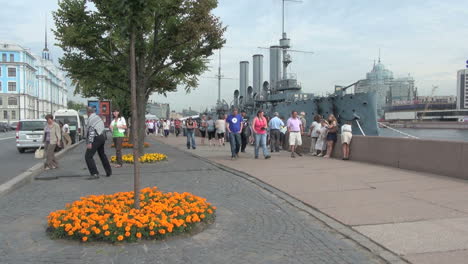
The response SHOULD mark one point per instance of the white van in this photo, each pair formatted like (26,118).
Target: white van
(75,122)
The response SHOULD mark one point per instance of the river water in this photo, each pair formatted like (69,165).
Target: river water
(436,134)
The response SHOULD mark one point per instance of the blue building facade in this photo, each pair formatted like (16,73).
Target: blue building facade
(30,86)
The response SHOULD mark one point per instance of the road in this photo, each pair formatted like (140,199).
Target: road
(13,163)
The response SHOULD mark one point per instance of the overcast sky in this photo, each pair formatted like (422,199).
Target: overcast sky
(425,38)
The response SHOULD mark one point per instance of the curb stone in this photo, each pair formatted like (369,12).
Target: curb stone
(348,232)
(28,175)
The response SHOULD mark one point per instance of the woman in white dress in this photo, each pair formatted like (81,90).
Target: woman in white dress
(346,136)
(321,144)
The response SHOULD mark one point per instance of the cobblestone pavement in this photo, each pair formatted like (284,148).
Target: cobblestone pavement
(252,225)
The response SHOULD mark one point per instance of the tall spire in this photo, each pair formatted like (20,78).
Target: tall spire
(379,55)
(46,34)
(45,51)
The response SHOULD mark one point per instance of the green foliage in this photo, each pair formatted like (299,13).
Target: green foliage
(75,105)
(174,38)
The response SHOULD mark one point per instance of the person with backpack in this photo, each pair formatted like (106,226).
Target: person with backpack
(211,130)
(202,129)
(245,134)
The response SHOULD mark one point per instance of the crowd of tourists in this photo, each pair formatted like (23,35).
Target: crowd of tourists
(163,127)
(268,133)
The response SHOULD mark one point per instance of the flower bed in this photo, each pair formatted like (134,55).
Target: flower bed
(130,145)
(147,158)
(112,217)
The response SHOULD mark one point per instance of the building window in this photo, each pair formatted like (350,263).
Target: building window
(11,72)
(13,115)
(12,101)
(1,98)
(12,57)
(5,114)
(12,86)
(4,57)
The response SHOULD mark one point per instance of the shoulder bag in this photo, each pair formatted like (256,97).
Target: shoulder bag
(39,154)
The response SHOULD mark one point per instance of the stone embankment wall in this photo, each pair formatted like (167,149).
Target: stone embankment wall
(448,158)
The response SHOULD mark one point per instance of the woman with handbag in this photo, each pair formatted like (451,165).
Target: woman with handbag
(51,137)
(332,134)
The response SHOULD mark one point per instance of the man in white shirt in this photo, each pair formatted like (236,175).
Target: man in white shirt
(295,130)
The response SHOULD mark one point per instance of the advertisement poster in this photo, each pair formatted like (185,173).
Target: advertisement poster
(104,110)
(95,105)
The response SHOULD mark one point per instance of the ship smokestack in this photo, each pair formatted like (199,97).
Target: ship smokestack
(257,73)
(275,66)
(244,79)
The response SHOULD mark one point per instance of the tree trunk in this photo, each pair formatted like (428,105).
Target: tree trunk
(135,114)
(141,119)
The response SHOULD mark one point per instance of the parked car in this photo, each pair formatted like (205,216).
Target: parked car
(13,125)
(4,127)
(29,134)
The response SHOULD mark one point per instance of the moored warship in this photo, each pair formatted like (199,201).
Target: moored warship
(283,93)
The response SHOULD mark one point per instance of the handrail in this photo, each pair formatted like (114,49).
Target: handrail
(396,130)
(360,128)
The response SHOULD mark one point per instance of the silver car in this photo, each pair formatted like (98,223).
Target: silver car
(29,134)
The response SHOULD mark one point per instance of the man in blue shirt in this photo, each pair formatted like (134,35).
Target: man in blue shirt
(275,125)
(234,127)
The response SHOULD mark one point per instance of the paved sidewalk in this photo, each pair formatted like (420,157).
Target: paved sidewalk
(422,217)
(252,225)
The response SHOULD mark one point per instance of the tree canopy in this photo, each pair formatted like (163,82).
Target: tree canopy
(174,38)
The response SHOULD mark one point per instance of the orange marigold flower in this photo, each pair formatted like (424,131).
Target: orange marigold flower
(70,233)
(151,233)
(107,233)
(138,235)
(85,238)
(120,238)
(162,231)
(127,234)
